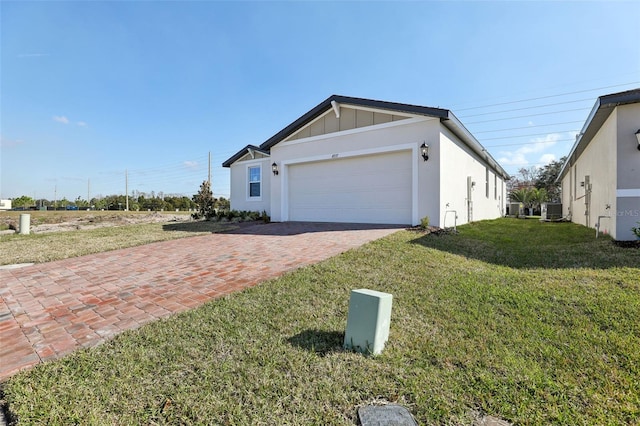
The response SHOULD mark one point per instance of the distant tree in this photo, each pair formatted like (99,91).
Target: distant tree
(547,177)
(23,201)
(181,203)
(532,198)
(204,201)
(222,204)
(98,203)
(525,178)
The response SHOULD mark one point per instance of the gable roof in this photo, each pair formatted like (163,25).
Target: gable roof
(244,151)
(601,110)
(444,115)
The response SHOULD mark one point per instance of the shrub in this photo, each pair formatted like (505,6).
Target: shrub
(424,222)
(636,230)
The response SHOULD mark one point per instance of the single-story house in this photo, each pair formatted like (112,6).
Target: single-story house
(357,160)
(601,177)
(5,204)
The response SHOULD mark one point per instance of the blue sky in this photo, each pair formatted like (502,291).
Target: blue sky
(91,89)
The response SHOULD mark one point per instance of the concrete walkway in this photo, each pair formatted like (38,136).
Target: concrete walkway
(51,309)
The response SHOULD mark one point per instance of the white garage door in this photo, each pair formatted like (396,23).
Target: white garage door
(364,189)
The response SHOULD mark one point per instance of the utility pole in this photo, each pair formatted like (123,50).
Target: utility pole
(209,179)
(126,188)
(88,191)
(55,197)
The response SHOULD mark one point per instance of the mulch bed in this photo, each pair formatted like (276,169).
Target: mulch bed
(628,244)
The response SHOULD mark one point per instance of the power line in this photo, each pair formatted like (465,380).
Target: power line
(531,107)
(528,127)
(550,96)
(524,136)
(530,115)
(529,143)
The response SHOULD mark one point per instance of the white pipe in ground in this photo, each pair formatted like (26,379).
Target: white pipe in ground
(25,224)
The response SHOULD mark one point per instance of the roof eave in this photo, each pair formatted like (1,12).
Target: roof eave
(325,105)
(455,125)
(238,155)
(601,110)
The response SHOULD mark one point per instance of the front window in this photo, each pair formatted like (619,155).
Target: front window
(255,176)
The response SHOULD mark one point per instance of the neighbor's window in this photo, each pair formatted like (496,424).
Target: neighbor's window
(486,180)
(255,175)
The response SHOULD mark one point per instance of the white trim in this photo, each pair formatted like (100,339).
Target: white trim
(383,111)
(632,192)
(248,182)
(356,130)
(284,184)
(336,108)
(250,162)
(309,124)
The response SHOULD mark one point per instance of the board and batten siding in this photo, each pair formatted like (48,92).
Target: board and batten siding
(349,119)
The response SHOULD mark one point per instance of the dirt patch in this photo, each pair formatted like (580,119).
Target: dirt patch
(82,221)
(628,244)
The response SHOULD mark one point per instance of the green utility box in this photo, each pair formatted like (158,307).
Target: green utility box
(368,321)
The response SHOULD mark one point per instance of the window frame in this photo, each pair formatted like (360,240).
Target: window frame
(486,179)
(249,182)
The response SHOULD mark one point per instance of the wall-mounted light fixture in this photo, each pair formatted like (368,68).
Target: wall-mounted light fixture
(424,151)
(638,137)
(274,169)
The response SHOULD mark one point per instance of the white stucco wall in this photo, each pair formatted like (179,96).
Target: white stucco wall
(386,137)
(437,185)
(239,198)
(458,163)
(598,162)
(627,208)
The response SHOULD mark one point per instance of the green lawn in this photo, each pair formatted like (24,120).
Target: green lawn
(47,247)
(535,323)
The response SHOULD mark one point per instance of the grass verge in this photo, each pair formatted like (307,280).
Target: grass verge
(37,248)
(534,323)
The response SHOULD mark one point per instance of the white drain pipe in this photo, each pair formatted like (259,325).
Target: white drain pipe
(25,224)
(455,219)
(598,224)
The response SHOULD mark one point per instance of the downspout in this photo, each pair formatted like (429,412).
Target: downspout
(455,220)
(602,217)
(598,224)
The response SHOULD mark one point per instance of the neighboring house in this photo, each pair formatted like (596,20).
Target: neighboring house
(365,161)
(601,177)
(5,204)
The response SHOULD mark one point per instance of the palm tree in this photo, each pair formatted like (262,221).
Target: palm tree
(541,195)
(530,197)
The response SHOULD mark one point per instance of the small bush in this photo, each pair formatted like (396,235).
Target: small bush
(424,222)
(265,217)
(636,230)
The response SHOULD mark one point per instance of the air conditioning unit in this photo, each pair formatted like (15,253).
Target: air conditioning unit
(551,211)
(516,209)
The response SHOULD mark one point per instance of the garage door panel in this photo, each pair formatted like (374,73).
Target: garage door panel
(369,189)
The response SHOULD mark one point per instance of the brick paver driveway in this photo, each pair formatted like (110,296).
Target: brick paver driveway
(50,309)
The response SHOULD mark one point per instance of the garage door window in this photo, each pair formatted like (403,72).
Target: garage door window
(255,177)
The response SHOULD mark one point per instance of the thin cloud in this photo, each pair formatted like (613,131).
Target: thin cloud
(82,124)
(536,145)
(547,158)
(33,55)
(10,143)
(190,164)
(61,119)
